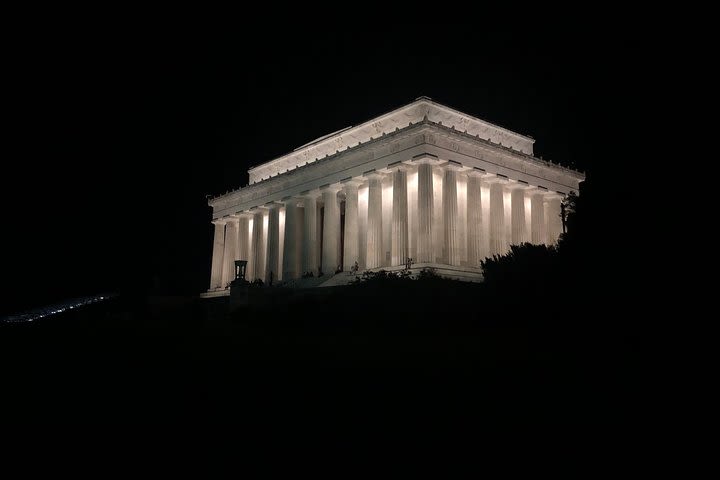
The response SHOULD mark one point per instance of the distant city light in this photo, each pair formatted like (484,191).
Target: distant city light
(43,312)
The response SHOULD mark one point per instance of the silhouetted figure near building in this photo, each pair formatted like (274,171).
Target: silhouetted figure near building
(271,278)
(355,268)
(408,263)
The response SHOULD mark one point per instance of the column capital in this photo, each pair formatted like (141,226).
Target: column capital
(481,173)
(219,221)
(244,214)
(291,200)
(477,172)
(453,165)
(351,182)
(371,174)
(312,194)
(540,190)
(256,210)
(330,188)
(517,184)
(421,158)
(271,205)
(534,189)
(496,178)
(397,166)
(552,195)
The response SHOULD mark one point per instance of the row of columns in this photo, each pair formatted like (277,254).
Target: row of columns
(249,237)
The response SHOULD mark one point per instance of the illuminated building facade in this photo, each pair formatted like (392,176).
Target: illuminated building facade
(424,181)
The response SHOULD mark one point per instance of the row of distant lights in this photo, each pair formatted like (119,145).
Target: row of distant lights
(54,310)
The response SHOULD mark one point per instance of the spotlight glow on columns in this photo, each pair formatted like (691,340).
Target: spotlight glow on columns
(462,217)
(412,192)
(528,218)
(387,200)
(413,180)
(507,206)
(281,241)
(435,228)
(363,224)
(363,196)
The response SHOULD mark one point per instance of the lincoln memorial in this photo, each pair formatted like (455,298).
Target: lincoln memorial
(424,182)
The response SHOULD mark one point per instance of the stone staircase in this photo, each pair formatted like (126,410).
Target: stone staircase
(305,282)
(345,278)
(339,279)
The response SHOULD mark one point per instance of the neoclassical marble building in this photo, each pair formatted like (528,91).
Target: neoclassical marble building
(424,181)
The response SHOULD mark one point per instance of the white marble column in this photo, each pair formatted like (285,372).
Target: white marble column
(351,252)
(399,245)
(231,231)
(497,219)
(310,263)
(552,216)
(450,214)
(273,244)
(374,229)
(243,239)
(331,230)
(537,219)
(387,203)
(517,197)
(291,243)
(256,248)
(507,205)
(425,212)
(528,214)
(474,219)
(217,255)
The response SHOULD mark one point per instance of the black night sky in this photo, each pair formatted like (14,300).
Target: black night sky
(121,124)
(121,133)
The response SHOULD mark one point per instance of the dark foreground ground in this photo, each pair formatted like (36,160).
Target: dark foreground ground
(390,363)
